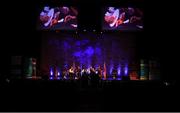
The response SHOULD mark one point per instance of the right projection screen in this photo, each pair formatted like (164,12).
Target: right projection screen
(122,18)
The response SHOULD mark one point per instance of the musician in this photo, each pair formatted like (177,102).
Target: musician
(78,72)
(99,71)
(65,73)
(94,76)
(92,71)
(114,73)
(71,72)
(83,71)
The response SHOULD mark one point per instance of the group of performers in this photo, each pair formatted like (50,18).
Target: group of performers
(82,73)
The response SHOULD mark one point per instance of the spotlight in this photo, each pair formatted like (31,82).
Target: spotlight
(84,30)
(126,70)
(101,32)
(51,78)
(94,30)
(51,72)
(76,32)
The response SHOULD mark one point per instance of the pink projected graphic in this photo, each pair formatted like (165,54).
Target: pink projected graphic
(55,18)
(122,18)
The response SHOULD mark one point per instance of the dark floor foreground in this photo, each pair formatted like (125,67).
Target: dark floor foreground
(39,95)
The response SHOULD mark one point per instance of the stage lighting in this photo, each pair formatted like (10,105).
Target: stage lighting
(126,71)
(51,78)
(119,71)
(58,74)
(51,72)
(84,30)
(96,72)
(94,30)
(118,79)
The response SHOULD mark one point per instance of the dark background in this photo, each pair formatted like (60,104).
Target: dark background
(159,39)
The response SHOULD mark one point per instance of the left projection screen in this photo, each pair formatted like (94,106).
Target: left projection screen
(57,18)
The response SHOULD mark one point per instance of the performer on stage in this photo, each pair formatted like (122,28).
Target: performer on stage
(65,73)
(92,70)
(114,73)
(99,70)
(78,72)
(83,71)
(71,72)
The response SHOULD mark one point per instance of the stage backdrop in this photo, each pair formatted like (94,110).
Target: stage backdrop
(87,49)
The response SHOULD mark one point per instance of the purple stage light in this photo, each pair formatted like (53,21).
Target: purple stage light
(51,71)
(89,51)
(119,71)
(110,79)
(118,79)
(58,73)
(111,68)
(96,72)
(51,78)
(103,79)
(126,70)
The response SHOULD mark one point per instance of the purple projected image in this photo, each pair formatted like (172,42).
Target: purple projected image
(121,18)
(56,18)
(106,54)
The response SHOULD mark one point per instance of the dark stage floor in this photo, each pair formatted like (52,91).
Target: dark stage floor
(43,95)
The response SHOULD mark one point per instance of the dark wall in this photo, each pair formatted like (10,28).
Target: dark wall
(21,38)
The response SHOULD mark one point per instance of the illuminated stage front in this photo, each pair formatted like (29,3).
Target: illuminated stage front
(110,52)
